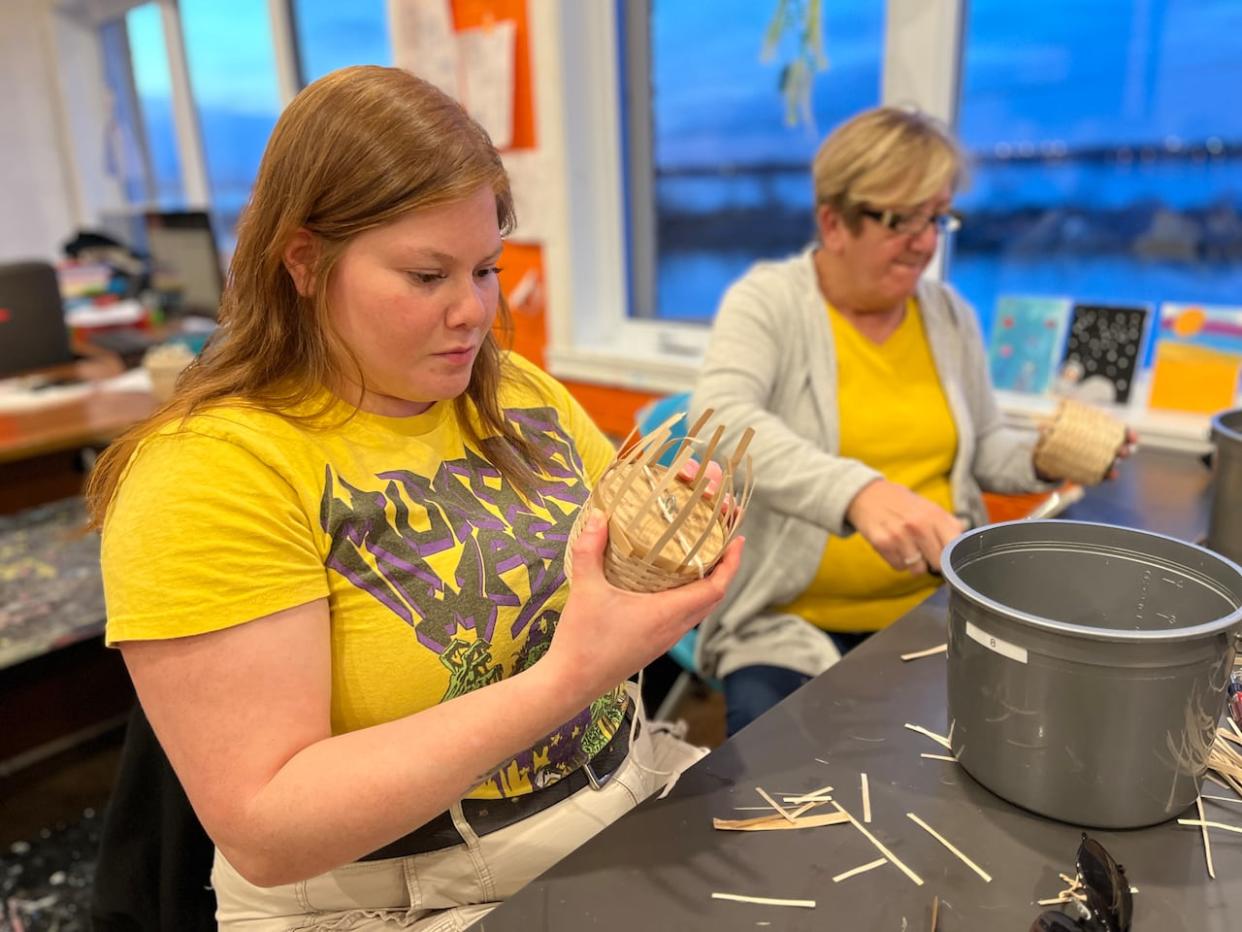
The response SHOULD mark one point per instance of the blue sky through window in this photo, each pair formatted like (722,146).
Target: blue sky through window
(1107,150)
(334,35)
(149,58)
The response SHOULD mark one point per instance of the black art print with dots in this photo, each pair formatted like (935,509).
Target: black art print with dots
(1105,343)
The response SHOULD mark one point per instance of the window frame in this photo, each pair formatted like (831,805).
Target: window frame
(592,336)
(571,188)
(194,179)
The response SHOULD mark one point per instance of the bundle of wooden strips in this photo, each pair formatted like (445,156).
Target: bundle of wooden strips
(1071,893)
(664,529)
(1226,757)
(1079,443)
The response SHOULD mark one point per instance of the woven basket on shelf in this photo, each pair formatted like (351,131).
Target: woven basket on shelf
(1080,443)
(665,530)
(164,364)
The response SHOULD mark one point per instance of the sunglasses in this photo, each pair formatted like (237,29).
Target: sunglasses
(1100,894)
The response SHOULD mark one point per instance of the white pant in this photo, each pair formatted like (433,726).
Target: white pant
(451,888)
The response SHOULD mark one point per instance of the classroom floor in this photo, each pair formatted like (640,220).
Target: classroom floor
(51,813)
(50,817)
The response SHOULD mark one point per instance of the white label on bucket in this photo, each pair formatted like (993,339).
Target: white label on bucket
(1012,651)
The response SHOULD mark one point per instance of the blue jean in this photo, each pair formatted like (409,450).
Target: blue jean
(751,691)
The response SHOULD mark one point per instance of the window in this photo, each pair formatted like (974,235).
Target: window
(148,56)
(126,156)
(1108,154)
(233,76)
(333,35)
(719,170)
(223,98)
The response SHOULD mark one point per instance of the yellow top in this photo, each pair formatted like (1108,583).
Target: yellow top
(894,417)
(440,578)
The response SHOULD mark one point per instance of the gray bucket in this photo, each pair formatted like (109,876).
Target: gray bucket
(1225,524)
(1088,666)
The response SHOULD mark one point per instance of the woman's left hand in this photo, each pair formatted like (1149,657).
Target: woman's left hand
(690,472)
(715,475)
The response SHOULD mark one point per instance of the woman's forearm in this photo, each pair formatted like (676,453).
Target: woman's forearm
(350,794)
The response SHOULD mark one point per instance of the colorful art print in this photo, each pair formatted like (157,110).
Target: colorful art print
(1027,333)
(1104,346)
(1198,358)
(1208,326)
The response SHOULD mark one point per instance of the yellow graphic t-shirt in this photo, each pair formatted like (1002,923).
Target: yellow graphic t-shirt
(440,577)
(894,417)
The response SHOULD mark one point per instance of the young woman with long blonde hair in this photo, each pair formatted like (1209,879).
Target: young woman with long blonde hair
(334,562)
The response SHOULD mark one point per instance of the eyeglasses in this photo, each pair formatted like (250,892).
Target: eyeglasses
(1100,893)
(914,223)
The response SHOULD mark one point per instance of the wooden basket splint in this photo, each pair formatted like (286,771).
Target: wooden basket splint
(1080,443)
(665,530)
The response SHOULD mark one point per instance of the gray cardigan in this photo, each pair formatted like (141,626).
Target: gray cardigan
(771,364)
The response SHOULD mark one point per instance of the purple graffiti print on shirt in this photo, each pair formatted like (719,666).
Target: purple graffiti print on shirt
(468,503)
(468,506)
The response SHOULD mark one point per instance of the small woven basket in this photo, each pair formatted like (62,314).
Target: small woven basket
(164,364)
(1080,443)
(664,530)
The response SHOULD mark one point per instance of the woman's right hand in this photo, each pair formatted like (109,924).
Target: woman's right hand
(606,634)
(907,530)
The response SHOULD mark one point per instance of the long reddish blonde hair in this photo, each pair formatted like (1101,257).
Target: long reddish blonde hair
(355,150)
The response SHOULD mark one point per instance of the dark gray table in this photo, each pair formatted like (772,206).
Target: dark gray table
(656,868)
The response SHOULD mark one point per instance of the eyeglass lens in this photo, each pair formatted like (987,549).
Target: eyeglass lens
(1105,884)
(913,225)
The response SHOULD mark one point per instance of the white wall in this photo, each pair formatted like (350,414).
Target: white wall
(38,203)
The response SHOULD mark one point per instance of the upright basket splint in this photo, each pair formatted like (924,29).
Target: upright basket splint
(665,530)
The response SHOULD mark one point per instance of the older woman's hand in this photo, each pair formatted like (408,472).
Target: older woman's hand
(1128,446)
(907,530)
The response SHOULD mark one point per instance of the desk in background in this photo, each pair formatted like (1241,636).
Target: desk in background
(39,446)
(58,683)
(656,868)
(51,594)
(94,416)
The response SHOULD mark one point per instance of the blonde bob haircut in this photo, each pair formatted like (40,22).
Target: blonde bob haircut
(359,148)
(885,158)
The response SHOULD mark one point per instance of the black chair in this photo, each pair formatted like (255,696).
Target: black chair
(154,867)
(33,333)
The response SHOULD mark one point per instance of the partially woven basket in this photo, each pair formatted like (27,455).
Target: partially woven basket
(1080,443)
(665,530)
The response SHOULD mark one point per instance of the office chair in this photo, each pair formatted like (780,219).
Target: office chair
(33,333)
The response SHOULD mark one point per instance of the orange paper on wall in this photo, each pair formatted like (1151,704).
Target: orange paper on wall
(1193,378)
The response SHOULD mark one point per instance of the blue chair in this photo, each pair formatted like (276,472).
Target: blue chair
(654,413)
(648,418)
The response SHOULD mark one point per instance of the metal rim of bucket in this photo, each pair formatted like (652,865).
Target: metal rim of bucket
(1233,432)
(1087,632)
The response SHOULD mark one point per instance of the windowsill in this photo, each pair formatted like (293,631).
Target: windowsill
(675,372)
(648,372)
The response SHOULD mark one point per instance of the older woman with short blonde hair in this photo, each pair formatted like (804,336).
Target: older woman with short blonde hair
(887,155)
(868,388)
